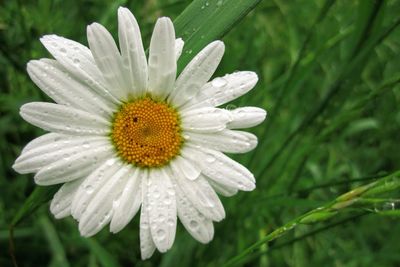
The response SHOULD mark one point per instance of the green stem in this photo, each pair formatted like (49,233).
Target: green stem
(386,184)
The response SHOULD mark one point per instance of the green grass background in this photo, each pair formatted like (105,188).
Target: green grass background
(329,78)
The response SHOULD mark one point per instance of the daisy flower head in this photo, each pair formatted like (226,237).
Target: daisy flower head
(127,136)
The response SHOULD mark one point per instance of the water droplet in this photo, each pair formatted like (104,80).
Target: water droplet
(144,225)
(86,144)
(171,191)
(156,194)
(167,201)
(210,159)
(110,162)
(89,189)
(161,218)
(219,82)
(63,50)
(193,224)
(76,61)
(171,222)
(161,234)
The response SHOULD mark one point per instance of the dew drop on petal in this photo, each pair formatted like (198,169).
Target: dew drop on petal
(219,82)
(193,224)
(210,159)
(161,234)
(89,189)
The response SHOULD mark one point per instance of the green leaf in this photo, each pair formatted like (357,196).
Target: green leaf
(318,217)
(205,21)
(39,196)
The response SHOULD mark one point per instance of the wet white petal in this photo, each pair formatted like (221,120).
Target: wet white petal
(197,73)
(60,147)
(206,119)
(129,203)
(108,60)
(223,190)
(228,141)
(221,90)
(196,224)
(161,209)
(78,60)
(63,119)
(201,194)
(61,203)
(100,209)
(93,184)
(246,117)
(64,89)
(45,140)
(220,168)
(73,167)
(162,62)
(179,43)
(147,246)
(187,168)
(133,56)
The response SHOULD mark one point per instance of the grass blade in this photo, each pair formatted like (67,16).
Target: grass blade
(204,21)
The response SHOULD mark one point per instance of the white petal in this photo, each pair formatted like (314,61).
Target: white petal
(161,208)
(246,117)
(147,246)
(108,60)
(61,203)
(129,203)
(186,168)
(228,141)
(179,43)
(206,119)
(223,190)
(61,147)
(63,119)
(196,224)
(93,184)
(162,63)
(201,194)
(223,89)
(78,60)
(220,168)
(133,56)
(75,166)
(64,89)
(197,73)
(44,140)
(101,207)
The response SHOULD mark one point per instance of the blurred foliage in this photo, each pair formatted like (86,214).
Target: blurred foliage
(329,77)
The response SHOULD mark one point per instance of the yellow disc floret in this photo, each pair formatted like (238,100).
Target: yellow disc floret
(147,133)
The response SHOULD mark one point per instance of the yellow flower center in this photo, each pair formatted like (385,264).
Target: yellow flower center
(147,133)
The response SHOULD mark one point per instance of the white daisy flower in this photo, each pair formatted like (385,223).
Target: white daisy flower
(125,134)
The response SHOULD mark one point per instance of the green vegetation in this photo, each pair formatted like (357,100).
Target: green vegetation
(327,165)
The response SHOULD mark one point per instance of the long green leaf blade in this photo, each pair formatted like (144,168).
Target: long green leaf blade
(204,21)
